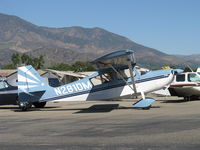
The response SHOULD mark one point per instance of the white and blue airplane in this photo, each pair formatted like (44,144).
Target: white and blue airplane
(110,82)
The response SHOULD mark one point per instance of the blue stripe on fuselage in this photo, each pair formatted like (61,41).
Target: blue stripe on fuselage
(106,87)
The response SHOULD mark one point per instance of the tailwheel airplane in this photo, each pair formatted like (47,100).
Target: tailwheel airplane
(116,77)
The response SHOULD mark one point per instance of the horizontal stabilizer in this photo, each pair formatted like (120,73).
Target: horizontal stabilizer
(30,97)
(144,103)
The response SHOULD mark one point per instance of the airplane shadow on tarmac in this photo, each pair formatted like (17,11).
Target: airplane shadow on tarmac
(176,101)
(101,108)
(17,109)
(9,107)
(92,109)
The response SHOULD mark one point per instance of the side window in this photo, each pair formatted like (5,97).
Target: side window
(96,80)
(3,85)
(180,78)
(193,78)
(101,79)
(122,74)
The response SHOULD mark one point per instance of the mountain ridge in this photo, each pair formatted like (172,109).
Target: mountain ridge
(70,44)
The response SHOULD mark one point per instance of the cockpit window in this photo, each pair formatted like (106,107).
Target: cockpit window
(104,78)
(193,78)
(3,85)
(180,78)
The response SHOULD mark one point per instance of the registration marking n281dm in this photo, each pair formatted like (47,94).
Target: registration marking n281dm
(76,87)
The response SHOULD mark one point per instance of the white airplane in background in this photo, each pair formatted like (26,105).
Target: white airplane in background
(186,85)
(109,82)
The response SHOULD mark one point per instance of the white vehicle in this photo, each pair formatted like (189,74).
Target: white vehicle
(186,85)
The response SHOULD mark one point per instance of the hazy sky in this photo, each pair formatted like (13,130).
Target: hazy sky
(171,26)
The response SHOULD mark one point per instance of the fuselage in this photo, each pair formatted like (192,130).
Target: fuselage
(89,88)
(186,85)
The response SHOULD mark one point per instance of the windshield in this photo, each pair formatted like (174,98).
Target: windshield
(193,78)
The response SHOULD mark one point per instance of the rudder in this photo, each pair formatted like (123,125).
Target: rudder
(29,80)
(31,86)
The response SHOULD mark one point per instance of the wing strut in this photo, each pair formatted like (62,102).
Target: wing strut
(113,68)
(132,77)
(144,103)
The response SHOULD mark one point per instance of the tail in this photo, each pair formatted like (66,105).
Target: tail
(31,85)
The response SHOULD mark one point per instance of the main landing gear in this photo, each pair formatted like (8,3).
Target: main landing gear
(144,103)
(24,106)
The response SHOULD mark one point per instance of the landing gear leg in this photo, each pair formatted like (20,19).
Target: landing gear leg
(144,103)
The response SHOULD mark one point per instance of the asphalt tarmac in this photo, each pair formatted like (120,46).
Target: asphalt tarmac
(171,124)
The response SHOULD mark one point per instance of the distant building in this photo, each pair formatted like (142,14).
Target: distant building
(11,77)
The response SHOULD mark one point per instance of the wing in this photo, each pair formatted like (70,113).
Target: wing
(118,59)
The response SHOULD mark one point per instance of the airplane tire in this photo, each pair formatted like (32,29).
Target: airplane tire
(147,108)
(39,104)
(25,106)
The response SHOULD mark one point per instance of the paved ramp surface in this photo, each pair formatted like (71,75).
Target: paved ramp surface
(171,124)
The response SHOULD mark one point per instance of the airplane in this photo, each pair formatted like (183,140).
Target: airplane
(8,93)
(108,83)
(9,89)
(186,85)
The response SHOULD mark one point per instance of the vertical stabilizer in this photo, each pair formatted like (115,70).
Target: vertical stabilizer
(29,80)
(31,86)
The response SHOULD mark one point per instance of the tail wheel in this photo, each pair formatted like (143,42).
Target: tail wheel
(39,104)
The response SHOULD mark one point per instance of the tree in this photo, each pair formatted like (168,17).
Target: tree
(61,67)
(16,60)
(9,66)
(37,62)
(82,66)
(40,62)
(77,67)
(25,58)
